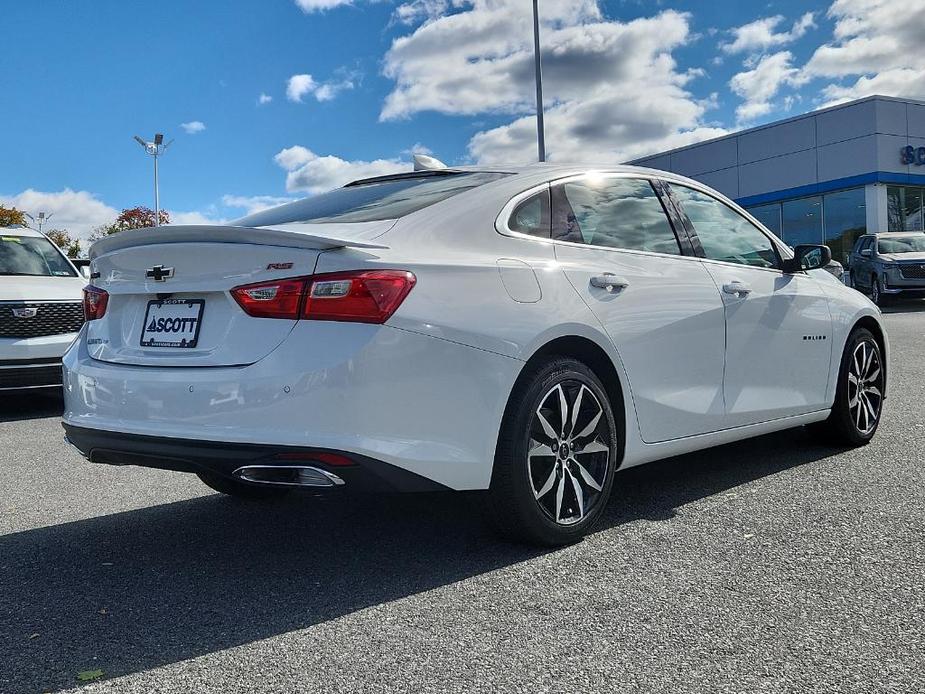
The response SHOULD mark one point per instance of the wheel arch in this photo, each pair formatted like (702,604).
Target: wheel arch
(873,325)
(600,362)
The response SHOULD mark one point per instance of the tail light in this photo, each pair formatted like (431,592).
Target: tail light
(370,296)
(95,302)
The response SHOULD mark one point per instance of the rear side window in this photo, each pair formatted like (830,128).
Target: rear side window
(622,213)
(724,233)
(374,201)
(532,216)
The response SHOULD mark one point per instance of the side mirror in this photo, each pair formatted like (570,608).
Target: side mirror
(85,271)
(867,253)
(808,257)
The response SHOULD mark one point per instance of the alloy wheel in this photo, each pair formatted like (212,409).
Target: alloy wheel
(569,452)
(865,386)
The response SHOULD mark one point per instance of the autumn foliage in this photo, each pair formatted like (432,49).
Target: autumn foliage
(10,216)
(130,218)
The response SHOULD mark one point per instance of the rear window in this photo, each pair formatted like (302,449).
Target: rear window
(32,255)
(370,202)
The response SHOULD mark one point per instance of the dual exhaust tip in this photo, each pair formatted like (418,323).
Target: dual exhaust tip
(288,476)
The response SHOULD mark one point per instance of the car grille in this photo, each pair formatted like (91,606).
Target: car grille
(51,318)
(912,272)
(31,375)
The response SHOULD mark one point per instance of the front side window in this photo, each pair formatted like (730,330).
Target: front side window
(724,233)
(622,213)
(32,255)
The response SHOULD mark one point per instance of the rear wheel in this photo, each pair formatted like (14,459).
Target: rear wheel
(241,490)
(859,396)
(556,456)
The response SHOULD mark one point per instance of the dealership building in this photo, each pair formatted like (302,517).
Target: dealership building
(823,177)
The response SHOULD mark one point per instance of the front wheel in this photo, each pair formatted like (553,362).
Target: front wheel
(875,294)
(859,395)
(556,455)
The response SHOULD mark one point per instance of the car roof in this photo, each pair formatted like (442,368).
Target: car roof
(878,234)
(20,231)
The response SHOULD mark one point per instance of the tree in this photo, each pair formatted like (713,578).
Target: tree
(10,216)
(130,218)
(63,240)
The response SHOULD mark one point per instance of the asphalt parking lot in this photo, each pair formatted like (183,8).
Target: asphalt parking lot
(775,565)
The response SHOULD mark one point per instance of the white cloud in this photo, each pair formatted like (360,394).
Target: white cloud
(194,218)
(264,99)
(298,86)
(613,90)
(308,172)
(76,211)
(193,127)
(253,203)
(318,5)
(759,85)
(877,49)
(760,35)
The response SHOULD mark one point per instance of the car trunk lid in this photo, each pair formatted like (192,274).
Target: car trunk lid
(169,288)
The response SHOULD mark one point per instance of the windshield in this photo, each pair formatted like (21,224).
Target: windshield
(32,255)
(902,244)
(370,202)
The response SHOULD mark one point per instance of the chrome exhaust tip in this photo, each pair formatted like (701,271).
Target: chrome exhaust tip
(288,476)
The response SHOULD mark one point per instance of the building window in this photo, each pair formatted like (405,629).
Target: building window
(769,215)
(904,208)
(845,216)
(802,221)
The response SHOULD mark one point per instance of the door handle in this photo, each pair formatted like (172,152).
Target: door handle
(737,288)
(608,281)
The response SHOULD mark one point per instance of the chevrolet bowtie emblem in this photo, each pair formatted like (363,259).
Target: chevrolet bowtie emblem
(159,273)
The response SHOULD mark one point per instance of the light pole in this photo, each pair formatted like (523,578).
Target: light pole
(42,218)
(540,126)
(155,149)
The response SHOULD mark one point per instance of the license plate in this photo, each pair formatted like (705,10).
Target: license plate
(172,323)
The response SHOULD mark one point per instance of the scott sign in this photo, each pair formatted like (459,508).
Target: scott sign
(912,155)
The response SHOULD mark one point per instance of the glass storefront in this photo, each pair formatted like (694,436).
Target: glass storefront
(904,208)
(802,221)
(845,216)
(836,219)
(769,215)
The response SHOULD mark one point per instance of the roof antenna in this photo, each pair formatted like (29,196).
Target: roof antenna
(423,162)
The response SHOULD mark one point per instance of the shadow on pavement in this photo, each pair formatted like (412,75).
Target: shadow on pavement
(900,305)
(17,405)
(131,591)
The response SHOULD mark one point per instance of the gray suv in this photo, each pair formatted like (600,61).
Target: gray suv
(888,263)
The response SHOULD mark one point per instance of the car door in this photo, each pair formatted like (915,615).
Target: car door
(620,251)
(778,325)
(861,263)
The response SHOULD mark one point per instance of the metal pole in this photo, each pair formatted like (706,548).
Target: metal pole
(157,201)
(540,126)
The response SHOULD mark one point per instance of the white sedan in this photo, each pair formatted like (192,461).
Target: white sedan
(525,331)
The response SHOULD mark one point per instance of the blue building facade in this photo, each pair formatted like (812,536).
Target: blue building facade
(823,177)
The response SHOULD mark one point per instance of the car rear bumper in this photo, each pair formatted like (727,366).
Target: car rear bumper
(426,405)
(229,459)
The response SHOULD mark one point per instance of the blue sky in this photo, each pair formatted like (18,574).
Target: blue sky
(351,87)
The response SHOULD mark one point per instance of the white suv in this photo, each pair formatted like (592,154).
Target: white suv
(41,309)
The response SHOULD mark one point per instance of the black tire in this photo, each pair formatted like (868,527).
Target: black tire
(847,425)
(241,490)
(875,294)
(516,502)
(853,283)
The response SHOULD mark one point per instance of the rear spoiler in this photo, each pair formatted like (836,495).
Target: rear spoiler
(292,236)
